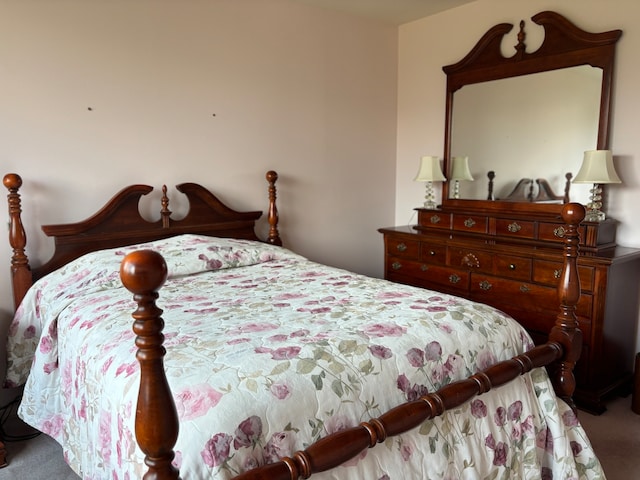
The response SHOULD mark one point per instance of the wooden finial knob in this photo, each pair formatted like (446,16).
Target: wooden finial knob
(271,176)
(573,213)
(143,271)
(12,181)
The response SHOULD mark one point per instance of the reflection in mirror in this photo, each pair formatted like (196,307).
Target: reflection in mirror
(532,126)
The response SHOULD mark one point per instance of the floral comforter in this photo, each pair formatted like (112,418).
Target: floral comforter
(267,352)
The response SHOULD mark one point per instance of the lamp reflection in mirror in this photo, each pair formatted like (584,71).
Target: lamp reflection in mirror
(597,168)
(430,171)
(459,171)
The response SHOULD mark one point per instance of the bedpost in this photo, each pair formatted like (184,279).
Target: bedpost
(566,330)
(143,272)
(21,278)
(274,235)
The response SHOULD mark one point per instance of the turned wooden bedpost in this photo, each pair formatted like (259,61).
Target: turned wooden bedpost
(566,330)
(274,235)
(143,272)
(21,278)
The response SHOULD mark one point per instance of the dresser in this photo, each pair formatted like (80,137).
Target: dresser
(513,261)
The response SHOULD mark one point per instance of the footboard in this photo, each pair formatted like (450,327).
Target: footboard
(144,272)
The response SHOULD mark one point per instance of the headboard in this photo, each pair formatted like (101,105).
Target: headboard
(119,223)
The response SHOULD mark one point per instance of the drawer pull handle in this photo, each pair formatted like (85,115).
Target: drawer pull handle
(453,278)
(485,285)
(401,247)
(424,267)
(432,253)
(514,227)
(469,222)
(524,288)
(396,265)
(512,266)
(559,232)
(556,273)
(470,260)
(435,219)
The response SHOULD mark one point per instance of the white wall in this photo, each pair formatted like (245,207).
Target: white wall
(428,44)
(304,91)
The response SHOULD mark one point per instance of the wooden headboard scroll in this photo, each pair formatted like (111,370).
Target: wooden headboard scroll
(119,223)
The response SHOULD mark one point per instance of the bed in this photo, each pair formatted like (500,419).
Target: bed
(249,361)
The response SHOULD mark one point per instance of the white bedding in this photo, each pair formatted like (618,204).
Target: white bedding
(266,352)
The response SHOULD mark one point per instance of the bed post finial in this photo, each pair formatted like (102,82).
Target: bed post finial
(566,330)
(21,277)
(274,235)
(143,272)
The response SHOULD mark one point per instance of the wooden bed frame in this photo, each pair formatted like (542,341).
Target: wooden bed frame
(143,272)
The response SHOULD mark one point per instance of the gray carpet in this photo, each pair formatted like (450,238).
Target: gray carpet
(615,436)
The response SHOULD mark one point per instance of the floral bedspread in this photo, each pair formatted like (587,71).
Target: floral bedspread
(267,352)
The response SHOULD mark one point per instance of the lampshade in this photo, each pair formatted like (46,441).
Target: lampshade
(430,170)
(460,169)
(597,167)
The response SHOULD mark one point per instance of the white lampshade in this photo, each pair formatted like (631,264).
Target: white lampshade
(597,167)
(430,170)
(460,169)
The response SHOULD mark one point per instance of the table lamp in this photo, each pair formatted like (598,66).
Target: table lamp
(597,168)
(430,172)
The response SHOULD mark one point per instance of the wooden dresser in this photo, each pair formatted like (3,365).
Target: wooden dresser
(512,261)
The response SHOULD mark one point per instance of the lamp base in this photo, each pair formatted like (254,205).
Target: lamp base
(430,205)
(594,216)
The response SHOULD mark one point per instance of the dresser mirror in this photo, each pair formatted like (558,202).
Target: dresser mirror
(527,118)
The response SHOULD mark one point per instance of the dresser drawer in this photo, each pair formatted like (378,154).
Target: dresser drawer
(555,232)
(515,228)
(400,247)
(478,260)
(518,268)
(470,223)
(448,278)
(434,219)
(548,273)
(433,277)
(539,303)
(432,253)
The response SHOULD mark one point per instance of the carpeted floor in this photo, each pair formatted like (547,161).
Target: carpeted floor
(615,436)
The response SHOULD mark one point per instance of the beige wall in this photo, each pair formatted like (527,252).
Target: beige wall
(428,44)
(304,91)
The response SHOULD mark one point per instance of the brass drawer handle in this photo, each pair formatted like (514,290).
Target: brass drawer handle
(435,219)
(559,232)
(401,247)
(432,253)
(512,266)
(469,222)
(514,227)
(453,278)
(557,273)
(485,285)
(424,267)
(396,265)
(524,288)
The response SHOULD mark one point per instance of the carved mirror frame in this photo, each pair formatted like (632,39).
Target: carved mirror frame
(564,46)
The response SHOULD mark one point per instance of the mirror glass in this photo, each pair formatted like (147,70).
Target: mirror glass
(530,126)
